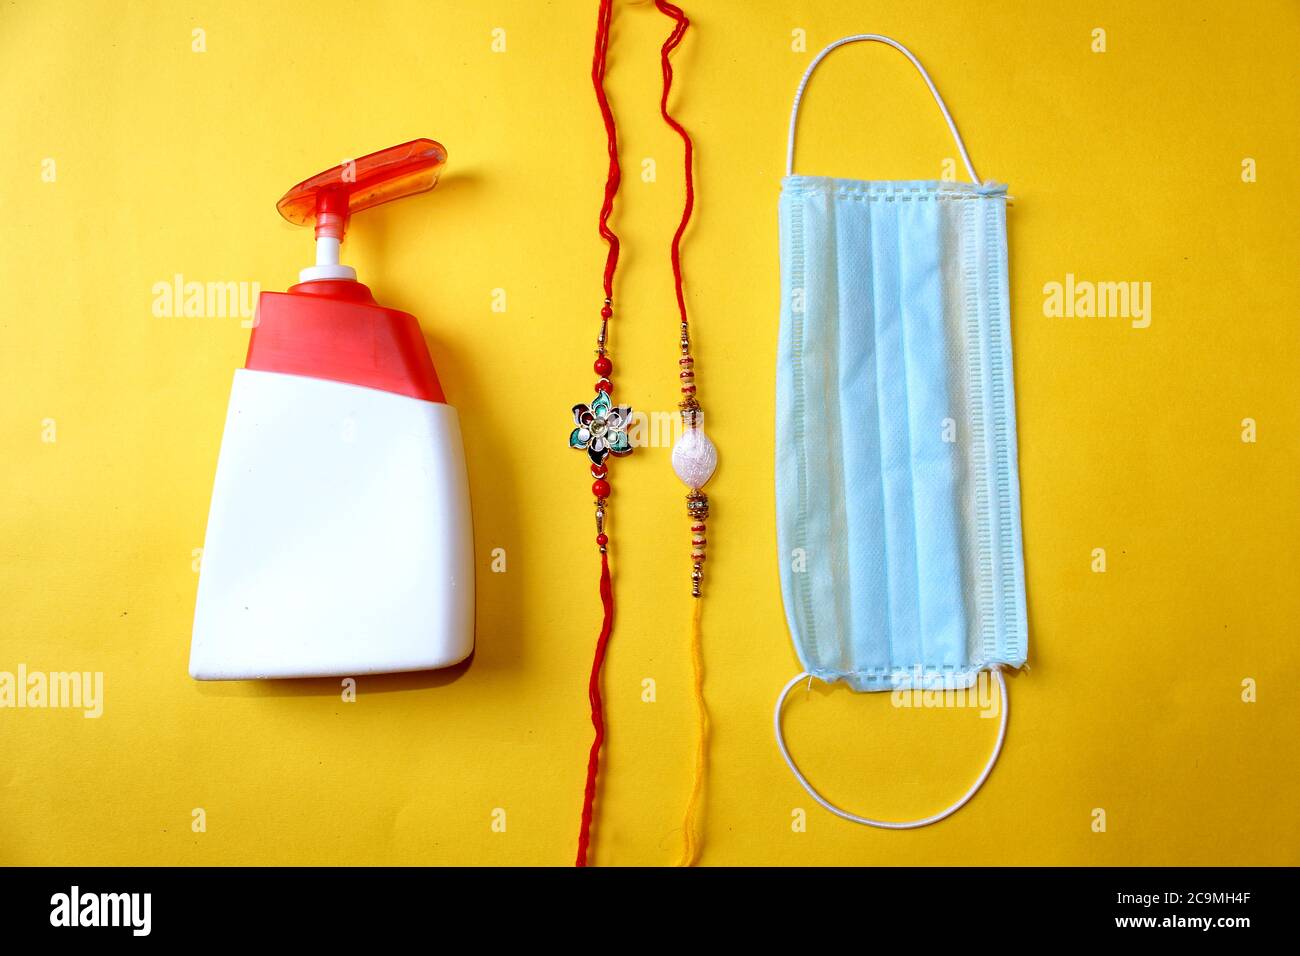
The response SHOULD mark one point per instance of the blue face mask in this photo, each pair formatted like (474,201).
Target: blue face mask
(898,498)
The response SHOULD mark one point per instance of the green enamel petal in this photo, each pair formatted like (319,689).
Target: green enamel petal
(618,442)
(600,405)
(579,437)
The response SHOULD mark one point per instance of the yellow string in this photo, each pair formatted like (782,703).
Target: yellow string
(690,838)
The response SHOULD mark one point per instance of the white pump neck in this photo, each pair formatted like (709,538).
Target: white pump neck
(327,263)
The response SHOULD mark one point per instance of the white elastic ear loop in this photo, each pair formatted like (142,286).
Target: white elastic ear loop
(798,96)
(888,824)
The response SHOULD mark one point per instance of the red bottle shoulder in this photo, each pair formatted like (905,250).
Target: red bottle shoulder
(335,330)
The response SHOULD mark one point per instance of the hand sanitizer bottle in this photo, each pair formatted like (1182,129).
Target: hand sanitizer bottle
(339,539)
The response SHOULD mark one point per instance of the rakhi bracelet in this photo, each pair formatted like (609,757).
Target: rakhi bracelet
(694,456)
(601,429)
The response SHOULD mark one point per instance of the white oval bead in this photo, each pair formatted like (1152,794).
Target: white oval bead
(694,458)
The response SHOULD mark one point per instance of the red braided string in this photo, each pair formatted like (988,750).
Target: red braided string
(606,589)
(674,38)
(597,711)
(615,173)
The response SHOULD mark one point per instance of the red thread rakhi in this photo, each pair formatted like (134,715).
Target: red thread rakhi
(694,456)
(601,428)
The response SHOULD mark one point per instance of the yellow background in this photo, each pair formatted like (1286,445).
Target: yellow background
(1125,166)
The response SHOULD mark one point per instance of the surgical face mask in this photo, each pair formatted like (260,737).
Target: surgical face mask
(897,493)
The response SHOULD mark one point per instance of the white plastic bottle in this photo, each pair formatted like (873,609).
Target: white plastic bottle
(339,540)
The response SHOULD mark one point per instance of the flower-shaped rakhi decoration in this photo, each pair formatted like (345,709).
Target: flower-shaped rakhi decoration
(602,429)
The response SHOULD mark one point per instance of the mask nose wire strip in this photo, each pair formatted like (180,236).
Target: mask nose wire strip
(889,824)
(943,108)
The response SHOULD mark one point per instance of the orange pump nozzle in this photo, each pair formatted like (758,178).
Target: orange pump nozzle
(330,198)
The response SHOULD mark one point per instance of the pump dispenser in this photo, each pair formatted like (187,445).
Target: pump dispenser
(339,539)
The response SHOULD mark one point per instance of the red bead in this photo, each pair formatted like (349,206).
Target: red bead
(603,366)
(599,471)
(600,488)
(602,539)
(606,312)
(604,385)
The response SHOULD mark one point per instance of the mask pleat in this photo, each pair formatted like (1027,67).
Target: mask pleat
(858,438)
(824,519)
(935,448)
(895,437)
